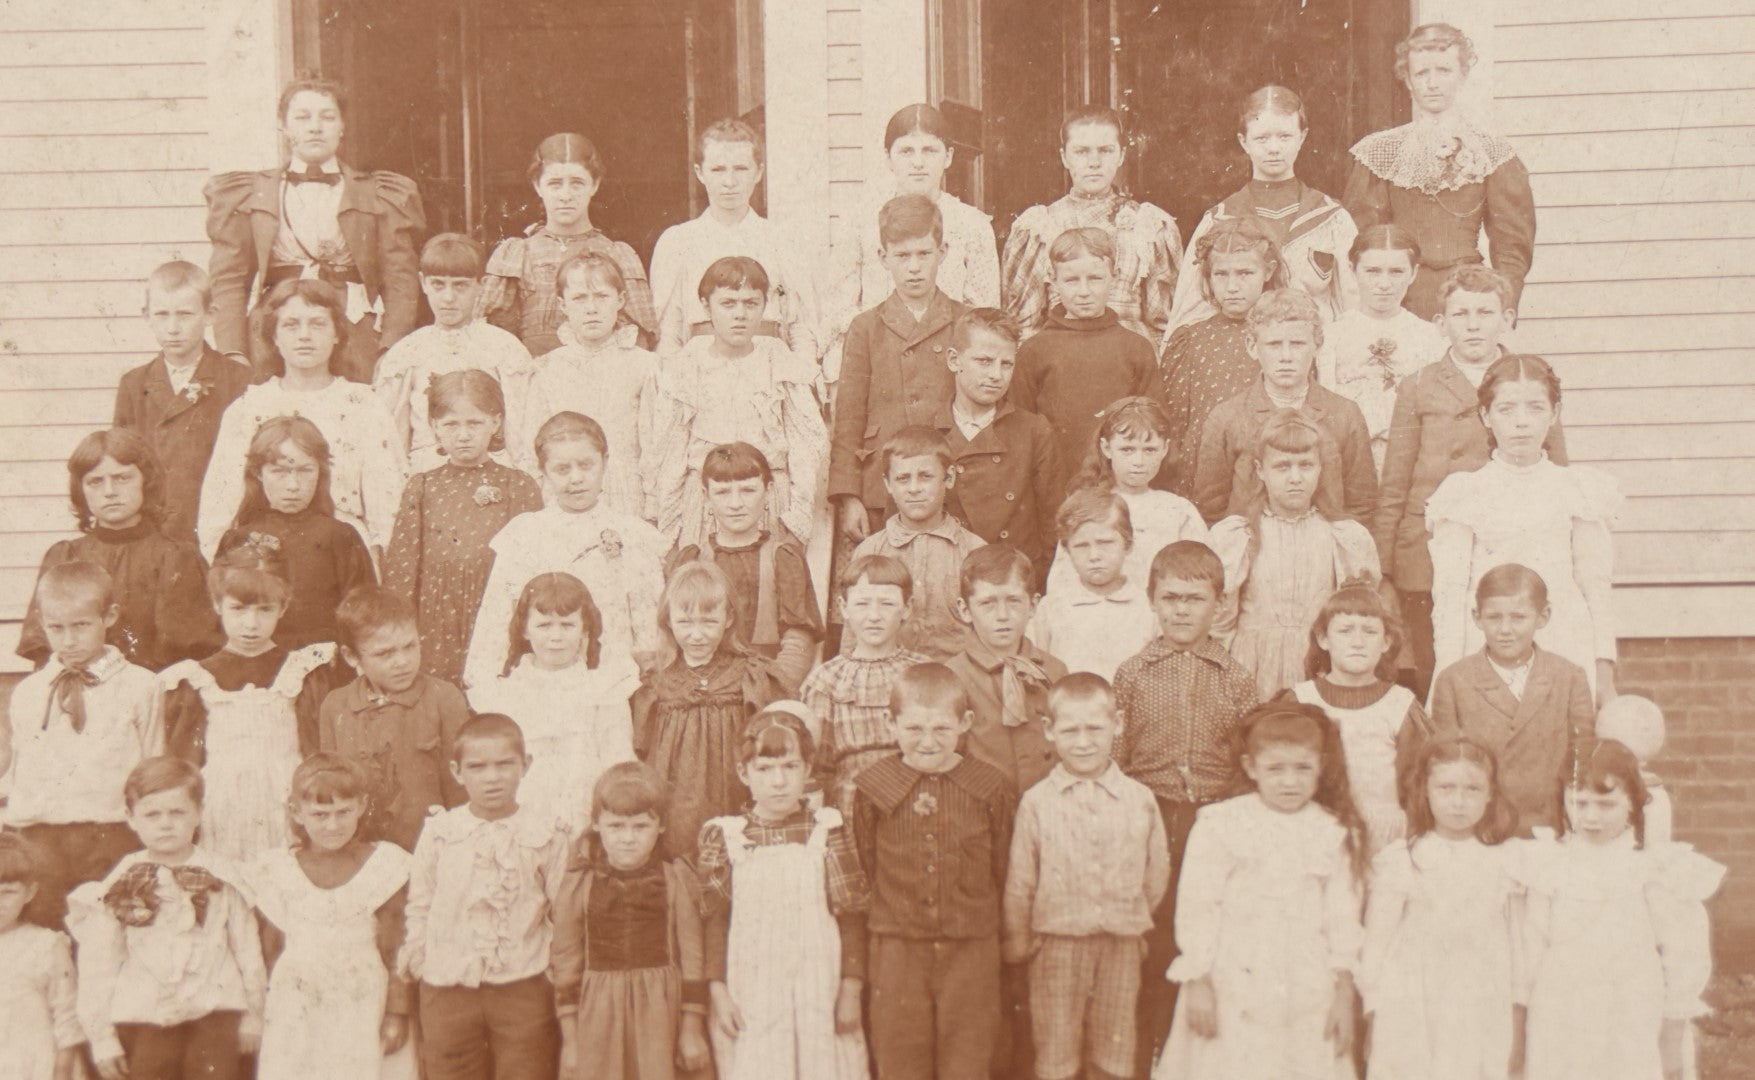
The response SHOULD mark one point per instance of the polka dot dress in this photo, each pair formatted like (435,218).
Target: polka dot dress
(1205,363)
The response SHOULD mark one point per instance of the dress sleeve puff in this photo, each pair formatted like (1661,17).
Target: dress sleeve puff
(222,488)
(1355,551)
(1160,266)
(400,223)
(1450,516)
(1510,223)
(1187,304)
(500,303)
(1233,541)
(232,264)
(1681,882)
(974,229)
(383,466)
(1024,268)
(639,307)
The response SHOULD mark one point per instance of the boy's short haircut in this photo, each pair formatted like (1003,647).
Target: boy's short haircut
(1093,506)
(483,727)
(1186,560)
(631,788)
(917,440)
(162,773)
(992,320)
(593,263)
(931,686)
(994,564)
(365,610)
(1089,115)
(176,276)
(1079,243)
(735,461)
(1079,686)
(1283,306)
(910,217)
(452,255)
(78,579)
(21,863)
(1512,579)
(729,130)
(876,570)
(733,272)
(1475,278)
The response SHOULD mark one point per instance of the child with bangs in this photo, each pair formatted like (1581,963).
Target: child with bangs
(73,731)
(116,485)
(40,1034)
(599,371)
(451,278)
(734,385)
(1285,553)
(689,714)
(1267,913)
(570,698)
(785,904)
(332,915)
(628,959)
(775,604)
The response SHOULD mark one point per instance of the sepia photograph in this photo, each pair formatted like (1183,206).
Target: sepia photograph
(877,540)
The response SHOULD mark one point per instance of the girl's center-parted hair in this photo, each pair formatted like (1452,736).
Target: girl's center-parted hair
(631,788)
(565,148)
(1499,821)
(314,293)
(917,119)
(569,426)
(775,732)
(559,594)
(1135,417)
(251,571)
(124,447)
(1271,99)
(1389,237)
(1287,722)
(470,386)
(1518,367)
(1357,597)
(1233,235)
(265,447)
(1603,766)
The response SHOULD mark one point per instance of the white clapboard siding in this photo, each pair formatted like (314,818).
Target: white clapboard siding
(849,128)
(103,152)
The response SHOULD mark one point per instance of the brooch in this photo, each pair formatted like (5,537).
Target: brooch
(1382,352)
(925,804)
(612,544)
(195,391)
(264,541)
(487,495)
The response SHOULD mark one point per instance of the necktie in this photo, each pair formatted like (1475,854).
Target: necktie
(312,176)
(68,691)
(1015,675)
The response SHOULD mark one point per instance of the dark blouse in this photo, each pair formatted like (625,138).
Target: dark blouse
(325,558)
(627,922)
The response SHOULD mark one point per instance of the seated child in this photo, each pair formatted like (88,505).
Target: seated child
(774,604)
(568,696)
(1009,469)
(174,401)
(850,693)
(1089,864)
(924,538)
(733,386)
(116,483)
(393,720)
(893,373)
(628,957)
(451,278)
(1101,616)
(1638,724)
(598,371)
(481,952)
(934,959)
(1006,675)
(1529,706)
(171,979)
(74,730)
(1285,553)
(1282,335)
(43,1036)
(1083,358)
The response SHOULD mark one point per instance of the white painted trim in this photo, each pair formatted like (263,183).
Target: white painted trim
(250,59)
(892,69)
(795,57)
(1687,611)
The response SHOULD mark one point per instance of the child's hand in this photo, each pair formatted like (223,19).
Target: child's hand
(847,1008)
(115,1068)
(569,1051)
(1670,1047)
(692,1053)
(1342,1014)
(1519,1014)
(851,518)
(1203,1007)
(727,1017)
(392,1033)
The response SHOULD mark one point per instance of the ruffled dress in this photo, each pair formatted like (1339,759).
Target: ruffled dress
(577,722)
(252,747)
(850,697)
(1618,941)
(610,383)
(1148,255)
(38,1017)
(1372,737)
(1438,971)
(1554,519)
(1159,519)
(518,294)
(1268,909)
(407,371)
(1278,574)
(1205,364)
(1365,359)
(326,994)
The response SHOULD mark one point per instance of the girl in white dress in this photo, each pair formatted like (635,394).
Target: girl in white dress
(1131,443)
(568,695)
(1284,558)
(598,371)
(1351,669)
(1267,914)
(1437,972)
(1520,507)
(39,1021)
(333,904)
(1617,935)
(1371,348)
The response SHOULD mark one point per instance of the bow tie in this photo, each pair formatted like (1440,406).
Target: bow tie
(1016,675)
(313,176)
(68,691)
(133,898)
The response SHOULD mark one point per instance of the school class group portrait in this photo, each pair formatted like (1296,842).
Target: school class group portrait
(1134,648)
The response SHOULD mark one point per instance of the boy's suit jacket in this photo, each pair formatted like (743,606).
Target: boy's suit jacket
(1532,737)
(893,375)
(1009,480)
(180,427)
(1224,476)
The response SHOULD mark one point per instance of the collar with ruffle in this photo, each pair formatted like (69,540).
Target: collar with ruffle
(1434,154)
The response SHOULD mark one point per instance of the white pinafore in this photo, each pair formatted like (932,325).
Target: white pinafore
(1368,737)
(783,964)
